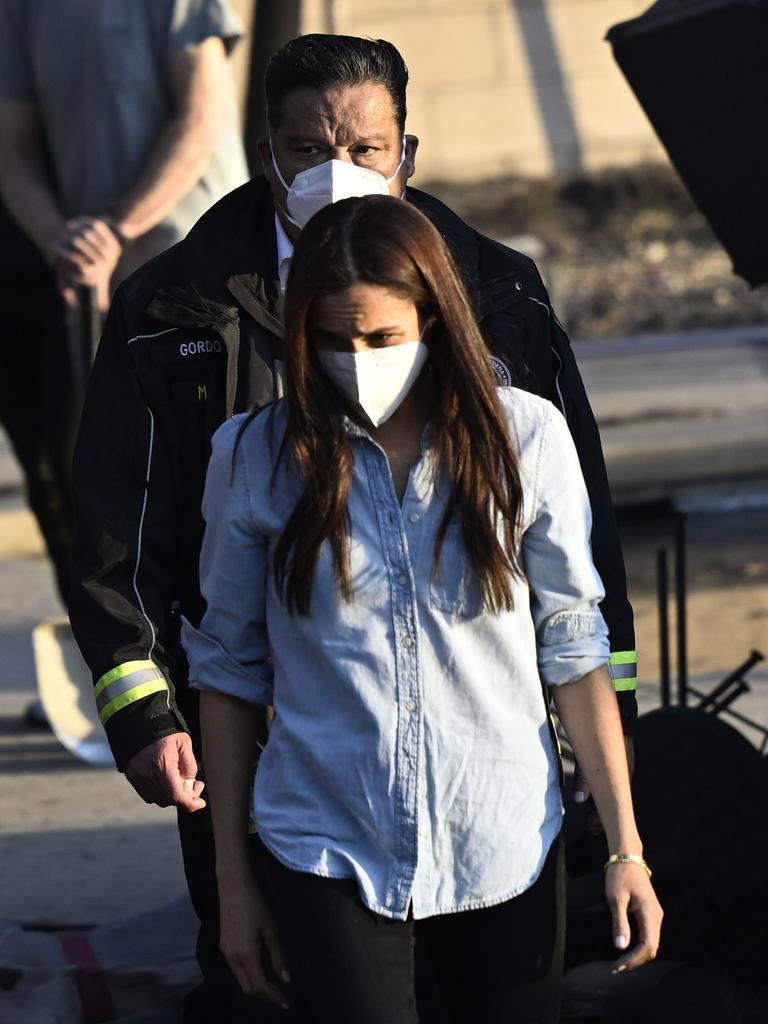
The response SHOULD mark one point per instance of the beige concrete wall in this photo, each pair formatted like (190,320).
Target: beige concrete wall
(491,93)
(504,86)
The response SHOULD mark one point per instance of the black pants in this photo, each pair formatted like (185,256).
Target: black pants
(40,408)
(500,965)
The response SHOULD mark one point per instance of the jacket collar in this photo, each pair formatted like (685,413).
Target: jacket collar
(459,237)
(229,254)
(494,275)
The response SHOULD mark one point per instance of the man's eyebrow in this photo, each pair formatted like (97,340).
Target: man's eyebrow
(322,140)
(314,140)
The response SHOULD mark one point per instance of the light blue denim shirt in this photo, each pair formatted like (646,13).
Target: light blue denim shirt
(411,748)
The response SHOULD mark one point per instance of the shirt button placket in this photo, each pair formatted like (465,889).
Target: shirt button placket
(404,610)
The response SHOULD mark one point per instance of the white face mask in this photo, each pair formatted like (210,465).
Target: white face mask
(329,182)
(376,380)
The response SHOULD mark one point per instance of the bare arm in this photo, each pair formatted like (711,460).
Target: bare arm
(229,744)
(184,148)
(229,739)
(24,182)
(177,162)
(590,716)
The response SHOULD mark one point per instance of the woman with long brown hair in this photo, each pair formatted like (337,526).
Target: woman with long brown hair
(397,559)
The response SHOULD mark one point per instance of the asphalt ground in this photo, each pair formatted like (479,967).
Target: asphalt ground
(680,411)
(77,846)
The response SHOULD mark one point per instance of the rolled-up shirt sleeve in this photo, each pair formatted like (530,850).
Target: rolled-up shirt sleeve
(571,634)
(229,652)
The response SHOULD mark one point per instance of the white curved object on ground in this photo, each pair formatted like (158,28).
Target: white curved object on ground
(66,691)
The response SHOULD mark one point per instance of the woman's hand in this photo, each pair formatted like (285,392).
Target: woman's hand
(628,890)
(248,939)
(590,714)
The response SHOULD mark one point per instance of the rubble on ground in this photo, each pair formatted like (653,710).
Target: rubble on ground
(623,251)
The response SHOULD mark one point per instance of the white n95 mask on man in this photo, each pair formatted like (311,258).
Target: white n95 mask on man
(376,380)
(329,182)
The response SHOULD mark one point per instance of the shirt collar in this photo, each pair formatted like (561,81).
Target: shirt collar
(354,429)
(284,252)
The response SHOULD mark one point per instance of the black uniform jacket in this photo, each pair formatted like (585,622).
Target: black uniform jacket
(191,338)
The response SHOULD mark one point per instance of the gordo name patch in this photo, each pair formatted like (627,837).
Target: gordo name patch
(204,347)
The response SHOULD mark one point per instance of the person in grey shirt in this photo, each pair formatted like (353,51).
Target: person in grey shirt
(135,106)
(118,129)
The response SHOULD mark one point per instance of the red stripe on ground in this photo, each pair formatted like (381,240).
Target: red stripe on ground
(94,993)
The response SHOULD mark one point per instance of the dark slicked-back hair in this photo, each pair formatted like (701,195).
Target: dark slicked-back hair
(318,61)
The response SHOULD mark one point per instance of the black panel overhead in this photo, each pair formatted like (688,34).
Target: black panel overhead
(700,71)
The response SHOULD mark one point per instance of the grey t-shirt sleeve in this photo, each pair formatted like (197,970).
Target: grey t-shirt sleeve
(192,21)
(16,81)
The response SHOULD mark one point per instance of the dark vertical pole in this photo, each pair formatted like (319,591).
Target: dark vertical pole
(83,327)
(662,598)
(93,323)
(682,625)
(274,23)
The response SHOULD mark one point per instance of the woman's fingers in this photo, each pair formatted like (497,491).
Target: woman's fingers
(620,921)
(249,942)
(271,941)
(581,790)
(275,953)
(260,987)
(245,960)
(646,948)
(629,892)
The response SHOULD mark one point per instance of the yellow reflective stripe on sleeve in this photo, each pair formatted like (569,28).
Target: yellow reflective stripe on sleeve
(623,657)
(623,685)
(129,696)
(125,684)
(623,666)
(126,669)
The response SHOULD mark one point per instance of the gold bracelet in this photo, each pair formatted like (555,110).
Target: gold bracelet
(627,858)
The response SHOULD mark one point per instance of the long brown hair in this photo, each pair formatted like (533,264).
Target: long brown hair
(384,241)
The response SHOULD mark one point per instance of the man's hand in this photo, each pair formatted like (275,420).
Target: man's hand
(164,773)
(582,792)
(85,253)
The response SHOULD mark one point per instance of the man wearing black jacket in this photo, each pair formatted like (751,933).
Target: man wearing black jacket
(195,336)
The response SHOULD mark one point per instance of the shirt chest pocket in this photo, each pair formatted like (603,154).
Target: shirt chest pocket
(454,588)
(127,47)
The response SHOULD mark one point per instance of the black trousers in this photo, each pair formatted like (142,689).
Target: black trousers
(40,409)
(500,965)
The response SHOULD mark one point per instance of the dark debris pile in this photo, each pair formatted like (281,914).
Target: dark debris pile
(623,251)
